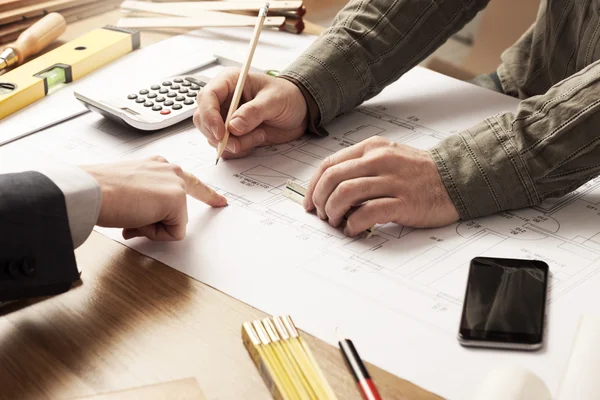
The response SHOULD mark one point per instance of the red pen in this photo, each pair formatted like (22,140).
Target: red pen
(359,371)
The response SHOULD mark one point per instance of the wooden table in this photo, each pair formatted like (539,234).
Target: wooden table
(135,321)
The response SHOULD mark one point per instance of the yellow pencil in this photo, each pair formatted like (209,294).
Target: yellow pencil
(288,391)
(304,352)
(239,88)
(263,363)
(288,364)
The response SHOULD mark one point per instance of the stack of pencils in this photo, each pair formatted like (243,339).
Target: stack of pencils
(284,360)
(283,15)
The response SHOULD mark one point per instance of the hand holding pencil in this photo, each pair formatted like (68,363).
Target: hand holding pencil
(272,111)
(239,88)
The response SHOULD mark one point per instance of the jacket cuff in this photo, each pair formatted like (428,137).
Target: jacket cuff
(83,199)
(483,172)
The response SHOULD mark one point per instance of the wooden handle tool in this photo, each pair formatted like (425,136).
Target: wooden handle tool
(33,40)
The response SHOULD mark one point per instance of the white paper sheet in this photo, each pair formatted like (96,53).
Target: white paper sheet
(173,56)
(581,378)
(398,294)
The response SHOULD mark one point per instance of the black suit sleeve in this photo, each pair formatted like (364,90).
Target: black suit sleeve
(36,249)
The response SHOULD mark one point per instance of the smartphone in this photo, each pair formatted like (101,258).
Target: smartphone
(505,304)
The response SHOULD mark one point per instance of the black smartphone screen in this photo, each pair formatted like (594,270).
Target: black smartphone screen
(505,301)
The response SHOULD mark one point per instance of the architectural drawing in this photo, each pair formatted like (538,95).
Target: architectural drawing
(416,275)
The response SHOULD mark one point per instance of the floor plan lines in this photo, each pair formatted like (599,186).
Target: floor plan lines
(267,176)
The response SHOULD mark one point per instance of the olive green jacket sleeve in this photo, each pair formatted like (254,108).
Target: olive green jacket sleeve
(370,44)
(547,148)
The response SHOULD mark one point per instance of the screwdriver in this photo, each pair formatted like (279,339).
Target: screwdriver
(33,40)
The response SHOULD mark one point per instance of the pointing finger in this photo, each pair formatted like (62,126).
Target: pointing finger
(198,190)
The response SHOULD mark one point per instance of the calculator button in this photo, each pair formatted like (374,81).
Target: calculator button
(140,100)
(163,91)
(191,94)
(186,84)
(148,104)
(155,87)
(187,102)
(195,88)
(166,83)
(152,95)
(156,108)
(178,80)
(132,96)
(169,103)
(172,94)
(180,98)
(160,99)
(177,107)
(195,81)
(165,112)
(184,90)
(175,87)
(144,91)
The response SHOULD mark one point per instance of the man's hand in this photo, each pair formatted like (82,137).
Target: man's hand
(389,181)
(272,111)
(148,198)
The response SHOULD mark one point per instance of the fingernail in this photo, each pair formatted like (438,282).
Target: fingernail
(323,217)
(260,138)
(346,232)
(238,124)
(230,147)
(213,131)
(305,203)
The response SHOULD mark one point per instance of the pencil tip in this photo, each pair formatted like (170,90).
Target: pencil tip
(216,162)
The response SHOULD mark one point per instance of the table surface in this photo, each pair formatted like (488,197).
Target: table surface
(134,321)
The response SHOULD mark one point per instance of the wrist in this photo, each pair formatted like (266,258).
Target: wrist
(440,198)
(313,114)
(105,189)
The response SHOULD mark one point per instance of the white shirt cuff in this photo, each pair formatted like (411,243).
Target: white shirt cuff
(83,198)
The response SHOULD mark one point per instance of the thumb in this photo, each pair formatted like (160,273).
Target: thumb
(157,232)
(253,113)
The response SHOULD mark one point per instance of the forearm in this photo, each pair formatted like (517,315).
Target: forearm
(372,43)
(548,148)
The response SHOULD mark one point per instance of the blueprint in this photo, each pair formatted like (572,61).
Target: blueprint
(398,294)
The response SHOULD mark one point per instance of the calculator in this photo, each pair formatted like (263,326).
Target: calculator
(153,107)
(168,101)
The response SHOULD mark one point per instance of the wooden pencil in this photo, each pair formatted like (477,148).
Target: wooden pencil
(239,88)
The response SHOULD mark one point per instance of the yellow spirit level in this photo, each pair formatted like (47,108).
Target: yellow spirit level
(69,62)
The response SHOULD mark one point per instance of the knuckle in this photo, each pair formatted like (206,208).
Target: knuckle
(352,226)
(317,200)
(196,118)
(364,186)
(345,188)
(180,234)
(385,154)
(333,211)
(177,195)
(327,163)
(158,158)
(200,97)
(329,174)
(376,141)
(177,169)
